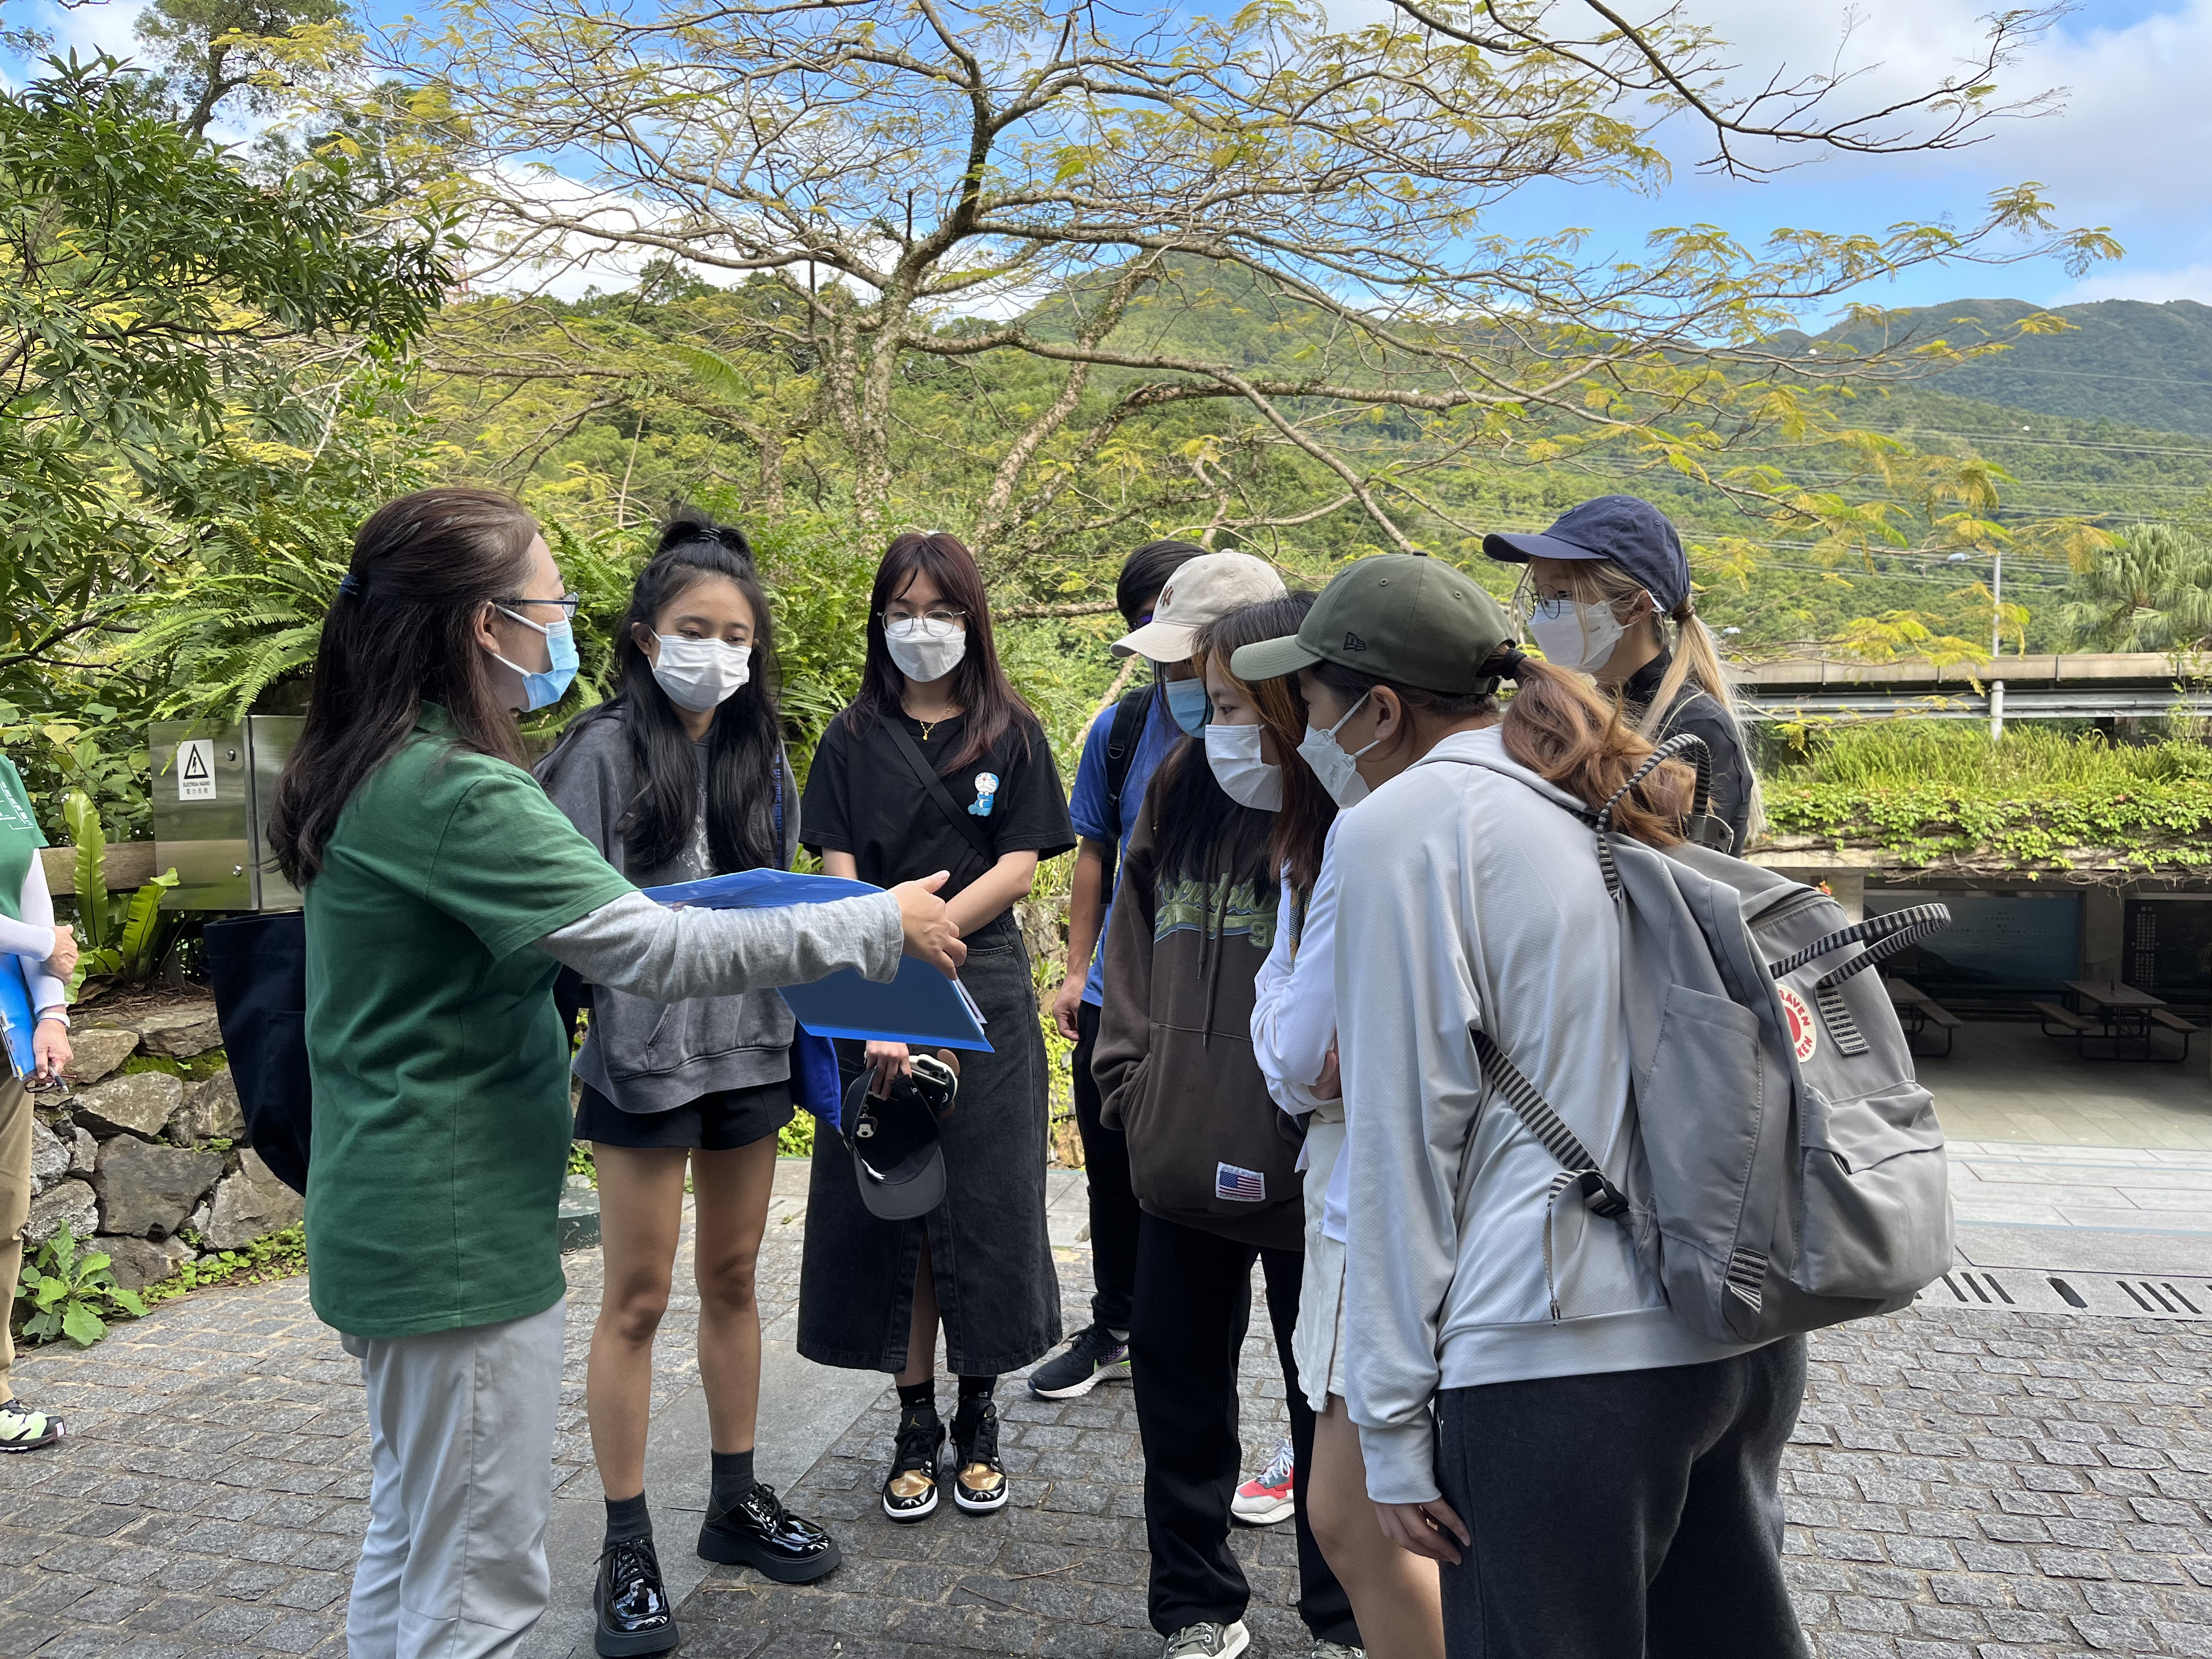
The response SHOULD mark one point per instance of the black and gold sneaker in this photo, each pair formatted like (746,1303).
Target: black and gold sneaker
(979,1479)
(910,1489)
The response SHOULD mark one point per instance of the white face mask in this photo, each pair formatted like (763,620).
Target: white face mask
(1233,753)
(701,674)
(1575,635)
(1339,772)
(922,654)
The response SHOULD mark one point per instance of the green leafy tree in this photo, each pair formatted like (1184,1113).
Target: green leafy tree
(259,54)
(2150,591)
(159,315)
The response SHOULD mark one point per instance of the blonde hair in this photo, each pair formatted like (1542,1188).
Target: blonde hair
(1695,658)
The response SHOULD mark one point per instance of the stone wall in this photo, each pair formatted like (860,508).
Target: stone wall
(139,1158)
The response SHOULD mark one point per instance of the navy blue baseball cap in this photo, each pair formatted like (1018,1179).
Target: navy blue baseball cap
(1634,534)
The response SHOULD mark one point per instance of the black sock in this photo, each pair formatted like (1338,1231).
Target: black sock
(627,1519)
(911,1394)
(733,1478)
(975,1393)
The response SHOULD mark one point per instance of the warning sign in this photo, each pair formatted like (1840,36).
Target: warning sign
(196,769)
(1804,1034)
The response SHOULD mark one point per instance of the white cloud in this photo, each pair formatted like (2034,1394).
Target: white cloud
(2189,283)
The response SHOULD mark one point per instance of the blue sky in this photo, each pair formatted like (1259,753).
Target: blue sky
(2131,150)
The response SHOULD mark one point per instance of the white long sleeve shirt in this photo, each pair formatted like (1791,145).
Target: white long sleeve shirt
(1464,899)
(33,940)
(1294,1017)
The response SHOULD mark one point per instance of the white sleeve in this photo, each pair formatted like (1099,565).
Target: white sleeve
(631,944)
(33,939)
(1294,1017)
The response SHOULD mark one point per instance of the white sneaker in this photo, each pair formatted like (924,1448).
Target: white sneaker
(1269,1497)
(1208,1641)
(1323,1650)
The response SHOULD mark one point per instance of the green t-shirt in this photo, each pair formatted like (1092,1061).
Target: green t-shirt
(440,1069)
(20,840)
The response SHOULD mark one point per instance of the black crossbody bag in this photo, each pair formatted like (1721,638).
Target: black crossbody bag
(971,831)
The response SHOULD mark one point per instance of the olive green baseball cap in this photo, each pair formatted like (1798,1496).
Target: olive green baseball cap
(1397,617)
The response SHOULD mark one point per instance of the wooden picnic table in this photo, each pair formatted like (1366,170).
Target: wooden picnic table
(1906,994)
(2112,993)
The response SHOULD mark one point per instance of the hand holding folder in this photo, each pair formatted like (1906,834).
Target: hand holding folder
(921,1007)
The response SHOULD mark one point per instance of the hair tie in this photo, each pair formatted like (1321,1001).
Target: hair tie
(1509,661)
(350,585)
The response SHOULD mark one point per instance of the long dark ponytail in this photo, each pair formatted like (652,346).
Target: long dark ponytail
(401,633)
(744,756)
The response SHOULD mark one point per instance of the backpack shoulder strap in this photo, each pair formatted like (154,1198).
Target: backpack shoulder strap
(1130,715)
(970,831)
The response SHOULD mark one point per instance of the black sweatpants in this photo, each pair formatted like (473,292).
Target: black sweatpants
(1194,1302)
(1623,1514)
(1106,1177)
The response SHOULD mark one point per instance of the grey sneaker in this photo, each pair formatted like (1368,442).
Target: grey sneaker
(1208,1641)
(1322,1650)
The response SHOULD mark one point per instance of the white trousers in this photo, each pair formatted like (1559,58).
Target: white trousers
(461,1426)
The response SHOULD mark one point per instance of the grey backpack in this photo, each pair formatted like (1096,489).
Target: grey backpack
(1792,1172)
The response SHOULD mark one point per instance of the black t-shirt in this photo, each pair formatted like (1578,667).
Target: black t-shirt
(863,798)
(1695,712)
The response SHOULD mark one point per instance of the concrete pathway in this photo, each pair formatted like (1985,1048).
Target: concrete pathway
(1972,1481)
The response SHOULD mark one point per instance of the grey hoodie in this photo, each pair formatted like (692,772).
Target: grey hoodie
(649,1056)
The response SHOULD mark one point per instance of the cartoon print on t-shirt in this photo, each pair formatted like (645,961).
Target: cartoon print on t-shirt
(987,789)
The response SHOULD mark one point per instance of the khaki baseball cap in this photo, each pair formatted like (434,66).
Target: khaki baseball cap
(1397,617)
(1202,590)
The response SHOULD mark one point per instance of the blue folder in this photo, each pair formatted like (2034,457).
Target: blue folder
(921,1007)
(17,1019)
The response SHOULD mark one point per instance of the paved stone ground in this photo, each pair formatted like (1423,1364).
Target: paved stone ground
(1967,1485)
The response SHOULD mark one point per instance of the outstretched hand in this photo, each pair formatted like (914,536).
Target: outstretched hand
(930,935)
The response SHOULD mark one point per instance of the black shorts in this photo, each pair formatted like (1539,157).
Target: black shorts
(718,1122)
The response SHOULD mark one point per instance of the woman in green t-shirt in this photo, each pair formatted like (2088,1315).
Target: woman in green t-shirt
(443,894)
(38,958)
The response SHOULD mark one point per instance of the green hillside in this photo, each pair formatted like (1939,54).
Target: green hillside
(2147,366)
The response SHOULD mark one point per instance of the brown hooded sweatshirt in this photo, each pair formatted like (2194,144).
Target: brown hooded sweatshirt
(1208,1147)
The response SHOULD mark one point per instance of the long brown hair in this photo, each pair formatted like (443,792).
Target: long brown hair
(1301,829)
(980,686)
(403,633)
(1558,727)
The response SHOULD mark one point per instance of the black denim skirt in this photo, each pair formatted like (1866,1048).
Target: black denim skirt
(992,1259)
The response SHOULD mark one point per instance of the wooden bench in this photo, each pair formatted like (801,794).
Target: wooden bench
(2174,1022)
(1935,1014)
(2072,1025)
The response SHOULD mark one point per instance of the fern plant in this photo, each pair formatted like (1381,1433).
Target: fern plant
(125,934)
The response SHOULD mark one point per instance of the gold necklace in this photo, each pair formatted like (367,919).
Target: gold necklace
(928,727)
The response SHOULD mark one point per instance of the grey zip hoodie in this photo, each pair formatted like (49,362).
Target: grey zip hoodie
(649,1056)
(1466,899)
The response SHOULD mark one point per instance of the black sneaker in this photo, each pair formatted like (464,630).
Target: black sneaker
(979,1479)
(760,1533)
(1095,1356)
(910,1489)
(632,1603)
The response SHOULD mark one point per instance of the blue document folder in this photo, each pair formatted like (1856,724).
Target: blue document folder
(921,1007)
(18,1017)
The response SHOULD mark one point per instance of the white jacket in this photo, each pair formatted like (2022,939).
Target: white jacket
(1464,899)
(1294,1016)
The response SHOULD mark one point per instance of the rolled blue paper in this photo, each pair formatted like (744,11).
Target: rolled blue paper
(921,1007)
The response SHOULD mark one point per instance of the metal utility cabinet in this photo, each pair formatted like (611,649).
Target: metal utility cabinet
(213,786)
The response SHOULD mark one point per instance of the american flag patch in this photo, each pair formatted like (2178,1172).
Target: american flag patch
(1246,1186)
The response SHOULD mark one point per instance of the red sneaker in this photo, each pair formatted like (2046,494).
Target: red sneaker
(1267,1496)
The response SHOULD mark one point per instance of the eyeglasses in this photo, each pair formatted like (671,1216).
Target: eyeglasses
(939,624)
(567,602)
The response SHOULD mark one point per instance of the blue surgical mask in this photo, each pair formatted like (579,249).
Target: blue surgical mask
(544,689)
(1188,702)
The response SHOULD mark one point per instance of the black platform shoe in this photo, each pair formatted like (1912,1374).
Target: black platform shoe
(635,1616)
(910,1489)
(760,1533)
(979,1479)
